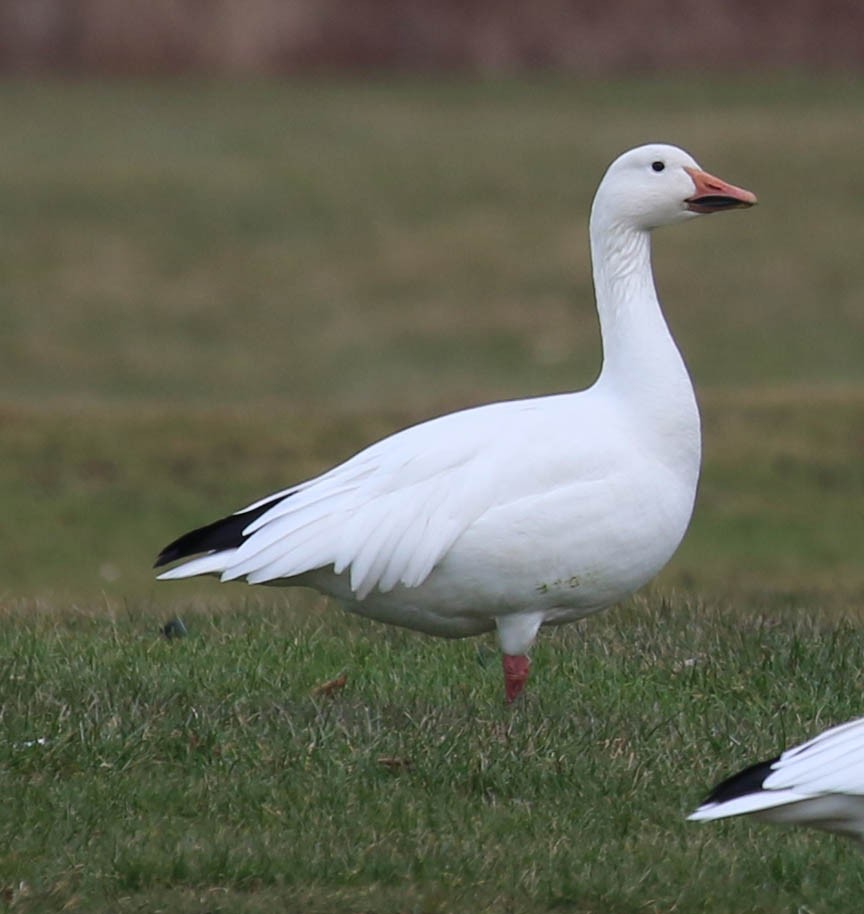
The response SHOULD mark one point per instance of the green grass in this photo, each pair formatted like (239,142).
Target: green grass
(211,291)
(206,767)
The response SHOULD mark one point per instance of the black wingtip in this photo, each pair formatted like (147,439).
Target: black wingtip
(225,533)
(745,782)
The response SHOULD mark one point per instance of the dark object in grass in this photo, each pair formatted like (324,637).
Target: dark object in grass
(174,628)
(332,686)
(395,763)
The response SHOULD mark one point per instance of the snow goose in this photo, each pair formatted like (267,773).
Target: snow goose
(819,783)
(515,514)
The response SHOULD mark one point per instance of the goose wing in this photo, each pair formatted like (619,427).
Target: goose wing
(390,513)
(830,763)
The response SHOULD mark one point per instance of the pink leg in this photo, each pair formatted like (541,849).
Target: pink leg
(516,667)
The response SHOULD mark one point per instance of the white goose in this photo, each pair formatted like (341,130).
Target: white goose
(516,514)
(819,783)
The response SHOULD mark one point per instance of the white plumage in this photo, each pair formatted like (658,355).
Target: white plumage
(520,513)
(819,783)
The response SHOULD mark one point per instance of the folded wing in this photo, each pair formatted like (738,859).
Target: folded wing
(386,516)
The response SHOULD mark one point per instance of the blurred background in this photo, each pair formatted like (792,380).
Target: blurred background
(239,239)
(279,37)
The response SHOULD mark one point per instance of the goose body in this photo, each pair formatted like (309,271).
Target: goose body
(515,514)
(819,783)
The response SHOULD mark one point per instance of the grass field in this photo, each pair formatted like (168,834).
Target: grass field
(209,291)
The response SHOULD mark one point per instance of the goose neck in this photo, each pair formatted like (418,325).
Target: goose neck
(636,339)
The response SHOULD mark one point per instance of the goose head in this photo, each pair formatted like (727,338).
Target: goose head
(658,185)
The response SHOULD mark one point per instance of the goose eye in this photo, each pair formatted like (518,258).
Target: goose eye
(658,166)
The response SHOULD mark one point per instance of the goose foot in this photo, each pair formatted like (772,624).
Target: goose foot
(516,667)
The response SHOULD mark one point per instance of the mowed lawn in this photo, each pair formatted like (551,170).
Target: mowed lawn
(210,291)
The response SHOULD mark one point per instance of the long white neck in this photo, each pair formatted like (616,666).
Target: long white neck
(641,363)
(636,339)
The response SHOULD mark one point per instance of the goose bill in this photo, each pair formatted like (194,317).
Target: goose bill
(715,194)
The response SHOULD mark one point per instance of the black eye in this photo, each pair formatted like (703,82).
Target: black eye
(658,166)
